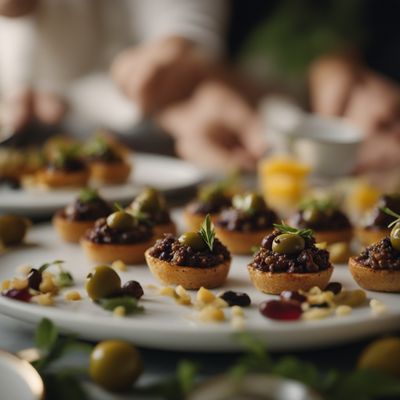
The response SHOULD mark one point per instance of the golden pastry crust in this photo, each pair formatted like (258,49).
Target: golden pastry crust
(277,282)
(241,242)
(70,230)
(194,221)
(160,229)
(378,280)
(188,277)
(334,236)
(58,178)
(370,236)
(108,253)
(110,173)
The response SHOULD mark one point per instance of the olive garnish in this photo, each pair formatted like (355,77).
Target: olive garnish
(13,229)
(120,221)
(193,240)
(148,201)
(291,240)
(102,282)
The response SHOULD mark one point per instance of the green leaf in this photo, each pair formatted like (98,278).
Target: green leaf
(63,387)
(289,229)
(207,232)
(44,266)
(65,279)
(129,303)
(46,335)
(186,373)
(393,214)
(88,194)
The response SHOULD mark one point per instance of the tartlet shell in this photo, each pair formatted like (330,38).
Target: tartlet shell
(70,230)
(377,280)
(370,236)
(241,242)
(62,179)
(108,253)
(194,221)
(110,173)
(277,282)
(334,236)
(188,277)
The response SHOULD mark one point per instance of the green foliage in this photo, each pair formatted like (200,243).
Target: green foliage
(129,303)
(289,229)
(207,232)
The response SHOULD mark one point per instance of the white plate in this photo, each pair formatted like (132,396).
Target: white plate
(165,173)
(166,325)
(18,379)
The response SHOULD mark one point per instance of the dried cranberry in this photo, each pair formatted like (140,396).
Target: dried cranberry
(236,298)
(281,310)
(288,295)
(133,289)
(34,279)
(334,287)
(18,294)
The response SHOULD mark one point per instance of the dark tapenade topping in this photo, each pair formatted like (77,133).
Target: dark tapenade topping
(310,259)
(169,249)
(381,255)
(102,233)
(68,164)
(379,219)
(108,155)
(213,206)
(320,220)
(91,210)
(242,221)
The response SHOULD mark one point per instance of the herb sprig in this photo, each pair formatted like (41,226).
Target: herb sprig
(393,214)
(207,232)
(284,228)
(321,204)
(88,194)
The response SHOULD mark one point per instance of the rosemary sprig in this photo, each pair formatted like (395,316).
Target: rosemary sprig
(207,232)
(284,228)
(393,214)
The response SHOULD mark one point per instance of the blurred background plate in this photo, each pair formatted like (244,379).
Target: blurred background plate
(170,175)
(18,379)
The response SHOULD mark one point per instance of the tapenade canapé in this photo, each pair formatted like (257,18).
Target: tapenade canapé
(76,218)
(376,223)
(289,260)
(152,204)
(211,199)
(378,266)
(107,161)
(243,226)
(193,260)
(324,217)
(120,236)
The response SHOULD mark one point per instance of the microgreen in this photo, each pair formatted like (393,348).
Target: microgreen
(284,228)
(88,194)
(207,232)
(393,214)
(129,303)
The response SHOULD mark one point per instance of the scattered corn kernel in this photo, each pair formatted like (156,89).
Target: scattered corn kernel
(378,307)
(237,311)
(182,296)
(220,303)
(24,269)
(314,291)
(119,265)
(316,313)
(72,295)
(204,295)
(323,297)
(5,285)
(119,311)
(47,285)
(352,298)
(45,299)
(167,291)
(237,323)
(211,314)
(341,311)
(19,283)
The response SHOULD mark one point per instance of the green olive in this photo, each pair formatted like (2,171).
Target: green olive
(115,365)
(193,240)
(102,282)
(382,355)
(288,243)
(249,202)
(12,229)
(311,215)
(148,201)
(120,221)
(395,236)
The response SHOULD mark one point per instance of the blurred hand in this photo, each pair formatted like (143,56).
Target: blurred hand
(216,129)
(159,73)
(26,105)
(341,87)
